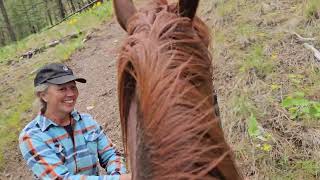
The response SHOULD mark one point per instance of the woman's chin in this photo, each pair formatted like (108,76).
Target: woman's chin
(69,109)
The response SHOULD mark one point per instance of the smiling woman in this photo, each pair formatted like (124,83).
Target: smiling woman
(61,143)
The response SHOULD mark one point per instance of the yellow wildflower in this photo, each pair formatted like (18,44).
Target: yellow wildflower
(266,147)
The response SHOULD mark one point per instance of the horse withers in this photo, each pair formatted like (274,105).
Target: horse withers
(169,124)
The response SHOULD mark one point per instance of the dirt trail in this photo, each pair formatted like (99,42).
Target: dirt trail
(96,62)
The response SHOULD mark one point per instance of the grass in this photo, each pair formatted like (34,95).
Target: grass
(10,120)
(257,62)
(312,9)
(64,52)
(261,71)
(16,92)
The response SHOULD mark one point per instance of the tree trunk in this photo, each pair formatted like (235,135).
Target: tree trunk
(48,12)
(2,38)
(61,9)
(80,4)
(72,6)
(7,22)
(31,27)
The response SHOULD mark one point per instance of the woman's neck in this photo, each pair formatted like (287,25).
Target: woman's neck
(61,119)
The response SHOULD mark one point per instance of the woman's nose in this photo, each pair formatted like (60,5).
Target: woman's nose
(71,92)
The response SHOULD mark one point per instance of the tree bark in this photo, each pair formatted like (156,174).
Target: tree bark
(2,38)
(48,12)
(80,4)
(72,6)
(31,27)
(7,22)
(61,9)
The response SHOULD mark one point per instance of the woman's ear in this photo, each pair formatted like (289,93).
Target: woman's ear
(43,96)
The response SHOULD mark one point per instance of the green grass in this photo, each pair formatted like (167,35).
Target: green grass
(63,51)
(266,70)
(226,8)
(242,105)
(312,8)
(257,62)
(16,106)
(10,120)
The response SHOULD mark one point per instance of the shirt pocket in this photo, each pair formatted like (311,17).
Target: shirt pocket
(92,142)
(60,151)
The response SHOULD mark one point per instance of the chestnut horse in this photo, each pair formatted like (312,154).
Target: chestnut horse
(169,126)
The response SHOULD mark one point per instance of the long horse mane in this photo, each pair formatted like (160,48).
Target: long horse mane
(166,64)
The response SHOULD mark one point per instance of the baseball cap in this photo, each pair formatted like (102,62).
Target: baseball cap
(56,73)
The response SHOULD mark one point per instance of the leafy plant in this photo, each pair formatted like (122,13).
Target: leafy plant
(256,133)
(300,107)
(309,166)
(253,128)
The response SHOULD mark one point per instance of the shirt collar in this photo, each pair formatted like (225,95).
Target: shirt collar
(45,122)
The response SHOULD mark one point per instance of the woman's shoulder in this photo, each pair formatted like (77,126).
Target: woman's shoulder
(31,128)
(88,119)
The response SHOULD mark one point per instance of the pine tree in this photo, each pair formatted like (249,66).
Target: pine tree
(7,22)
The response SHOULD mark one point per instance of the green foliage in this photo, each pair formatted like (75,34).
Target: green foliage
(226,8)
(246,30)
(261,139)
(299,169)
(254,43)
(256,62)
(64,51)
(10,119)
(300,107)
(9,52)
(312,9)
(243,106)
(253,128)
(101,11)
(309,166)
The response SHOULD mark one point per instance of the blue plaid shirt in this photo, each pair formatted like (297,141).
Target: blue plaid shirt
(51,153)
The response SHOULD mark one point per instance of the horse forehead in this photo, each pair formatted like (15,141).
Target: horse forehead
(149,13)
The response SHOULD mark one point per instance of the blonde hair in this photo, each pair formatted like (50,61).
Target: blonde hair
(42,104)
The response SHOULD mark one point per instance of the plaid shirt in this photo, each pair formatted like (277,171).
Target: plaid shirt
(51,153)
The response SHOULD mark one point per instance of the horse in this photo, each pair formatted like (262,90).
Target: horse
(170,126)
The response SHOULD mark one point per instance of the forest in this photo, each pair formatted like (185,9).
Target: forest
(20,18)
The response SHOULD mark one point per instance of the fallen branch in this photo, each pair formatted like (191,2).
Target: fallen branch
(315,51)
(29,54)
(303,39)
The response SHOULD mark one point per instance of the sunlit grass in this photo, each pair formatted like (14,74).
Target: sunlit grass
(312,9)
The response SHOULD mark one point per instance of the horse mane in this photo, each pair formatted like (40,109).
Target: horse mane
(166,64)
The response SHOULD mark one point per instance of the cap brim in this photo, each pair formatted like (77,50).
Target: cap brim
(65,79)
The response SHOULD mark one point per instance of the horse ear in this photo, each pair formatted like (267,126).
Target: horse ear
(124,9)
(188,8)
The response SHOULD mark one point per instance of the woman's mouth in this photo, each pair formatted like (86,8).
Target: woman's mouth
(69,102)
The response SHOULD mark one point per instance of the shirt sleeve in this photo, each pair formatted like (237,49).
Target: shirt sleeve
(45,164)
(110,159)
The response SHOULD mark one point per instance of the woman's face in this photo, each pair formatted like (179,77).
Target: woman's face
(61,98)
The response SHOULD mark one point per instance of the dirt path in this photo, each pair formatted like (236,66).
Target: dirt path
(96,62)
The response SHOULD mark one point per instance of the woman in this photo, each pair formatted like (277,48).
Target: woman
(61,143)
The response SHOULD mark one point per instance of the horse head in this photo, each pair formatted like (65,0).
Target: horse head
(169,126)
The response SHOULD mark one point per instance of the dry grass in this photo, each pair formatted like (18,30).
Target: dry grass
(259,64)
